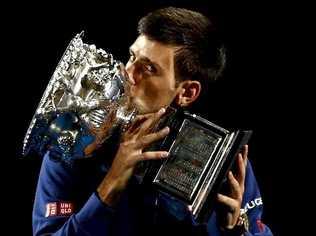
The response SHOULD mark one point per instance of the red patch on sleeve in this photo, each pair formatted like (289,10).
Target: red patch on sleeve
(59,209)
(260,225)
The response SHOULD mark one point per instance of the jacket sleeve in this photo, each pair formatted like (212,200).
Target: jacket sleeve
(252,205)
(54,188)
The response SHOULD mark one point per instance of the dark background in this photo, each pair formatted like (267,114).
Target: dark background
(257,91)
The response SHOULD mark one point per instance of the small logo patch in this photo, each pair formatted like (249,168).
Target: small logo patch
(260,225)
(59,209)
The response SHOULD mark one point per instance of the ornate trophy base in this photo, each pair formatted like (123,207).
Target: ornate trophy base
(200,155)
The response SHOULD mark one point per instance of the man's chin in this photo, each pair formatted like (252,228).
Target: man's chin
(142,109)
(138,107)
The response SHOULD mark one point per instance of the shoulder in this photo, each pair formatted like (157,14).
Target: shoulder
(56,173)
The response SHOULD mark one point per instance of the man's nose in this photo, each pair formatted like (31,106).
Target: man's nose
(124,71)
(133,72)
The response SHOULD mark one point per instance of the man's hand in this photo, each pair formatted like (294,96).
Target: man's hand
(232,201)
(130,152)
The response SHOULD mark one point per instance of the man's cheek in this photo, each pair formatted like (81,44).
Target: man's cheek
(152,92)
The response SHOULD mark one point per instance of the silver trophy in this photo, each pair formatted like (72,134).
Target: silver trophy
(85,100)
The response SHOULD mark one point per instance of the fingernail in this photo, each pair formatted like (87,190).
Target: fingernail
(165,154)
(161,111)
(166,129)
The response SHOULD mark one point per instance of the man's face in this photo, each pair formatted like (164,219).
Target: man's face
(151,66)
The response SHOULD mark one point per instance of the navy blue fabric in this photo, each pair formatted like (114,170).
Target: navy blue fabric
(141,211)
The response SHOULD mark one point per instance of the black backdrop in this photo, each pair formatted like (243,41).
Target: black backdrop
(254,92)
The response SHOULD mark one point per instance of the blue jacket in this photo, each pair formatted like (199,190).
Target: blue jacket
(66,204)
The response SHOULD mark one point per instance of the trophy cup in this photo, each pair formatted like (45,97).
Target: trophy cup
(87,98)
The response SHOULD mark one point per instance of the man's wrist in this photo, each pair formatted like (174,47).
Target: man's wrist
(109,191)
(241,227)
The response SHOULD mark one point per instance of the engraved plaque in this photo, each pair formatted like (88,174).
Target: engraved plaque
(200,155)
(189,156)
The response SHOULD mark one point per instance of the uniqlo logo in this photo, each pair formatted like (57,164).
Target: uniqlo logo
(51,209)
(59,209)
(65,208)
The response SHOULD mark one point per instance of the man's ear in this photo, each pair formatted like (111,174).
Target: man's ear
(188,92)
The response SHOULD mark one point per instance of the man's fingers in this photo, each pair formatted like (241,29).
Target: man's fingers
(235,187)
(245,154)
(241,174)
(150,138)
(144,116)
(227,201)
(143,124)
(152,155)
(151,121)
(242,159)
(136,125)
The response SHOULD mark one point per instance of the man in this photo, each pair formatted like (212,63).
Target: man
(175,55)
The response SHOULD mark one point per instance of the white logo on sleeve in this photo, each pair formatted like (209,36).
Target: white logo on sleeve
(51,209)
(59,209)
(252,204)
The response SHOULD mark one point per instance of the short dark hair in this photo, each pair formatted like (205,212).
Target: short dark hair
(201,55)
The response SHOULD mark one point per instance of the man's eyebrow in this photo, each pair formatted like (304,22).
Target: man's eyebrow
(146,59)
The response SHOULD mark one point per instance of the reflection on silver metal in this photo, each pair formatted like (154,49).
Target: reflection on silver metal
(86,98)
